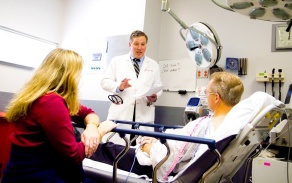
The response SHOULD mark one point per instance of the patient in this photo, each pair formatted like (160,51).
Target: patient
(224,91)
(44,148)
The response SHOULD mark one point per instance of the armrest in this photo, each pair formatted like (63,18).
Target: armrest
(161,127)
(210,142)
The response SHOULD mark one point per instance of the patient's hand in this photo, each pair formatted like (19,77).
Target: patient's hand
(106,127)
(146,143)
(146,148)
(148,140)
(92,136)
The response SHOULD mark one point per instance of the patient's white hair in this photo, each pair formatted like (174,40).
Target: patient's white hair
(228,86)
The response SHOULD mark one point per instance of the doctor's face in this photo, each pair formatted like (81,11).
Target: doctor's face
(138,46)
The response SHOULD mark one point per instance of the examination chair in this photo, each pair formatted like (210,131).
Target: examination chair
(249,123)
(6,129)
(266,114)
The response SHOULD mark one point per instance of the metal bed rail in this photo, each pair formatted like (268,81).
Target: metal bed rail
(162,137)
(160,127)
(159,135)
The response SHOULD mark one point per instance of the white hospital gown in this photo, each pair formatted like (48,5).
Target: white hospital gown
(180,152)
(232,124)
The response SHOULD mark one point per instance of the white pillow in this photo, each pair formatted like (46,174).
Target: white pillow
(244,112)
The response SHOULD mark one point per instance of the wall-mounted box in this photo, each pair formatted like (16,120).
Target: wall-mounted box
(266,77)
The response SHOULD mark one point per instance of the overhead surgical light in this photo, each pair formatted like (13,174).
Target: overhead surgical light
(269,10)
(202,42)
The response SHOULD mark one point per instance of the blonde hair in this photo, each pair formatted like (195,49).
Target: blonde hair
(59,73)
(228,86)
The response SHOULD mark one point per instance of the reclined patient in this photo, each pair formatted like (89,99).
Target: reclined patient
(224,91)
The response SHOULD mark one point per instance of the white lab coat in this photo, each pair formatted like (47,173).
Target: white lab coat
(121,67)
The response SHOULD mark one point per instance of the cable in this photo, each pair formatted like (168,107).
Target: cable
(289,149)
(266,149)
(289,146)
(280,83)
(132,164)
(273,91)
(248,162)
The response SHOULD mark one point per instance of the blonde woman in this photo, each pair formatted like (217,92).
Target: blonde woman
(44,148)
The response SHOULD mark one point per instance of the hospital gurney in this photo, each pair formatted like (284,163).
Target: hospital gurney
(96,174)
(255,116)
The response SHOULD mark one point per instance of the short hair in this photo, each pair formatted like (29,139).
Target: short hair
(138,33)
(228,86)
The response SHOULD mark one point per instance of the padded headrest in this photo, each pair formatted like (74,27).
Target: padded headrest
(245,111)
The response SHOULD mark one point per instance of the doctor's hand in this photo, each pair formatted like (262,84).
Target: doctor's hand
(124,84)
(152,98)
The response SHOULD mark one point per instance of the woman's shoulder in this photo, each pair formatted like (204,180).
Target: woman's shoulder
(50,97)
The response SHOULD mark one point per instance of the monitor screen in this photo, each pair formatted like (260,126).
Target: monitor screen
(288,96)
(194,101)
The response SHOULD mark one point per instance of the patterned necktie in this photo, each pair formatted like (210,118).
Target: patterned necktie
(136,66)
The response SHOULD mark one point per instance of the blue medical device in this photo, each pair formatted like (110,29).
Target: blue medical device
(193,109)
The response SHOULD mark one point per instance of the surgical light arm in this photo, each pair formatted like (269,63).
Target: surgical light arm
(165,7)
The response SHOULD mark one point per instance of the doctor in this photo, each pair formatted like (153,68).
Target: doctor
(130,76)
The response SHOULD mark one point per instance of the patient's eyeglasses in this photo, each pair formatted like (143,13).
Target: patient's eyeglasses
(210,93)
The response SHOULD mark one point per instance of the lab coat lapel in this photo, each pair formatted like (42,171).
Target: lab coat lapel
(145,65)
(131,69)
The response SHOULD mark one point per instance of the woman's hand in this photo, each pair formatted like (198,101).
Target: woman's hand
(90,138)
(92,135)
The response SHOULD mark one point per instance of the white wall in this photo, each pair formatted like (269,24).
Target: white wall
(152,26)
(73,23)
(88,21)
(240,37)
(40,18)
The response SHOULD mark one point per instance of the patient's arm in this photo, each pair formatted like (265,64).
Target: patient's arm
(147,143)
(146,148)
(94,132)
(180,151)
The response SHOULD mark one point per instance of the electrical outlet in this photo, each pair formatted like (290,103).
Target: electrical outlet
(202,73)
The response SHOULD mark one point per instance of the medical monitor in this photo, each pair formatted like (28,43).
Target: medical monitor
(194,101)
(288,96)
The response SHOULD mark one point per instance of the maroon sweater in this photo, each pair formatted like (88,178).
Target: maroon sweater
(49,121)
